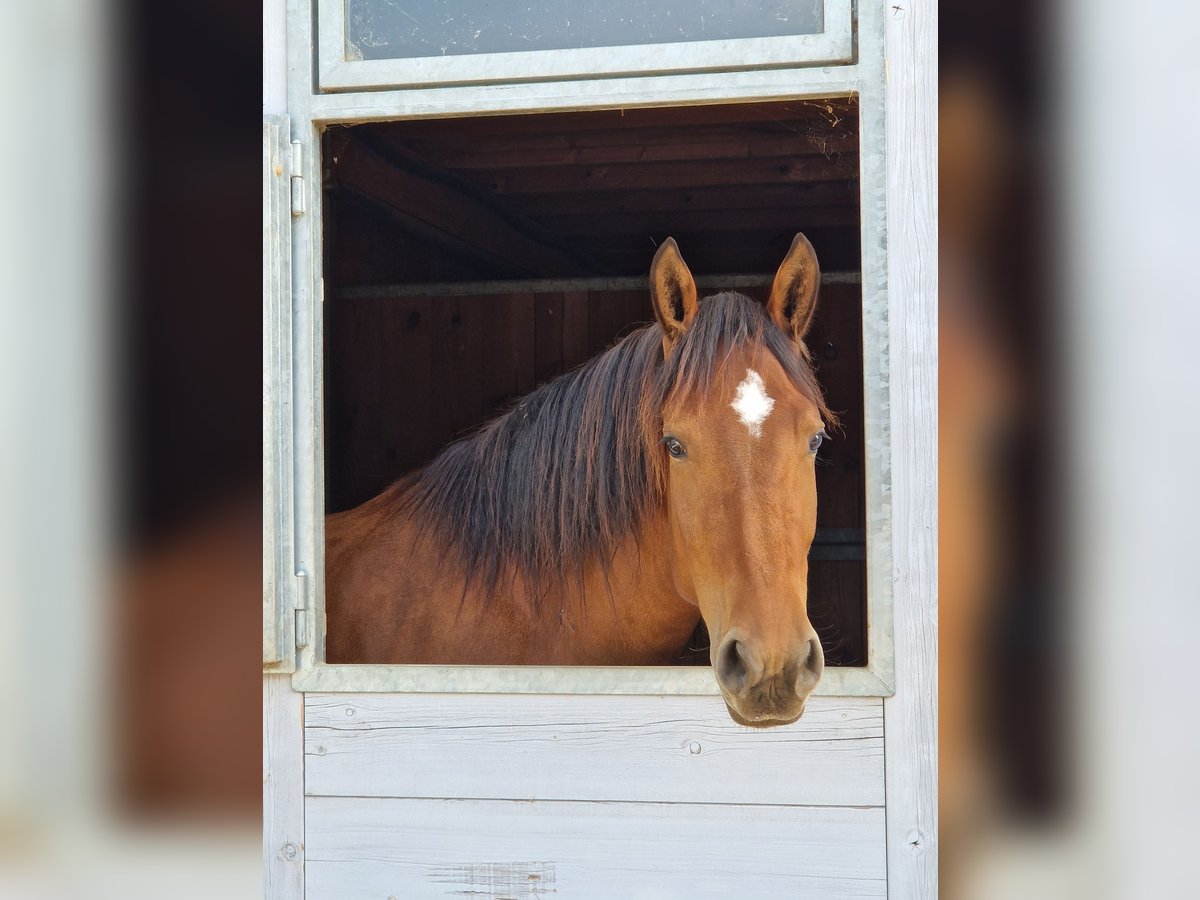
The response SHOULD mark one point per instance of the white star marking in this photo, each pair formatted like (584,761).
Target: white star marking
(752,403)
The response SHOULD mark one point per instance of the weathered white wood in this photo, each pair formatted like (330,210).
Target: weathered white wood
(283,789)
(663,749)
(911,715)
(380,848)
(837,681)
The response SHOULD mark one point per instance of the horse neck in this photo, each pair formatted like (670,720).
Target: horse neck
(631,613)
(391,597)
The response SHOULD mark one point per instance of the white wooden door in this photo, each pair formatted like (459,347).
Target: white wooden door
(445,795)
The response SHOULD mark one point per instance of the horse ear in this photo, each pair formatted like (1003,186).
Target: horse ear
(794,291)
(673,292)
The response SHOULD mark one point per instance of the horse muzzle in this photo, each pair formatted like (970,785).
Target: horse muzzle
(763,690)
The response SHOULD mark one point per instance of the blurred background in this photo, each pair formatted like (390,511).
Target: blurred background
(129,455)
(130,363)
(1067,419)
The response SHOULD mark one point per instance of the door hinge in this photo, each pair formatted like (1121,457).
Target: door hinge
(302,609)
(297,179)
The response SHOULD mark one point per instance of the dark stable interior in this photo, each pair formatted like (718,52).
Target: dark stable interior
(469,260)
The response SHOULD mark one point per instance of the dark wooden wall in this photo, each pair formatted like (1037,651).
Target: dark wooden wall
(405,375)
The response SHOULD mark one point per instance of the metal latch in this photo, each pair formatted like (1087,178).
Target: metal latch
(297,179)
(302,608)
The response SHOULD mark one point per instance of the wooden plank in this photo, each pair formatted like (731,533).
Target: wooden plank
(643,145)
(575,328)
(606,318)
(283,789)
(498,345)
(524,350)
(752,284)
(837,607)
(664,749)
(457,367)
(377,848)
(547,336)
(540,180)
(837,587)
(635,118)
(835,343)
(751,250)
(406,383)
(365,243)
(712,197)
(505,325)
(912,244)
(358,370)
(438,211)
(637,307)
(593,222)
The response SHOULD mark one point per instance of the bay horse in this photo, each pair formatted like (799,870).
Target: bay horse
(669,479)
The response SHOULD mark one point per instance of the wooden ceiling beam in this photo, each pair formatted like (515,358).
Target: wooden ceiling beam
(588,224)
(718,197)
(440,212)
(659,175)
(606,148)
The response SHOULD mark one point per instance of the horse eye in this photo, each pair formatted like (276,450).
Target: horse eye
(815,443)
(675,448)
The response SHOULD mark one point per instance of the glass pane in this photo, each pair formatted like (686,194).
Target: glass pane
(411,29)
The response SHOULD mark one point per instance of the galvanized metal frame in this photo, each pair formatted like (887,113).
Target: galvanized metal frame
(279,639)
(337,70)
(311,111)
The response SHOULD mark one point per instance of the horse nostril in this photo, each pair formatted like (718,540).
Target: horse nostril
(731,668)
(815,661)
(736,666)
(812,664)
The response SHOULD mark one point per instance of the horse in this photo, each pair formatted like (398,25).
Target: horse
(667,480)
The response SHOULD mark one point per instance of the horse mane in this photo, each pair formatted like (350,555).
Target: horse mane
(553,485)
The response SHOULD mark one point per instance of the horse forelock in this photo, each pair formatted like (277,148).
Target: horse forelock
(555,484)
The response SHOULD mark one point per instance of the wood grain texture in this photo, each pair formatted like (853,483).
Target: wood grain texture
(661,749)
(660,175)
(837,597)
(911,715)
(378,848)
(547,336)
(763,130)
(443,214)
(718,197)
(575,329)
(283,789)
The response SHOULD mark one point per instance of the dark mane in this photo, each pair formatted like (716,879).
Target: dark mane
(553,485)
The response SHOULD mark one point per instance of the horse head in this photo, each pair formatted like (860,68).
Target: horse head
(739,448)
